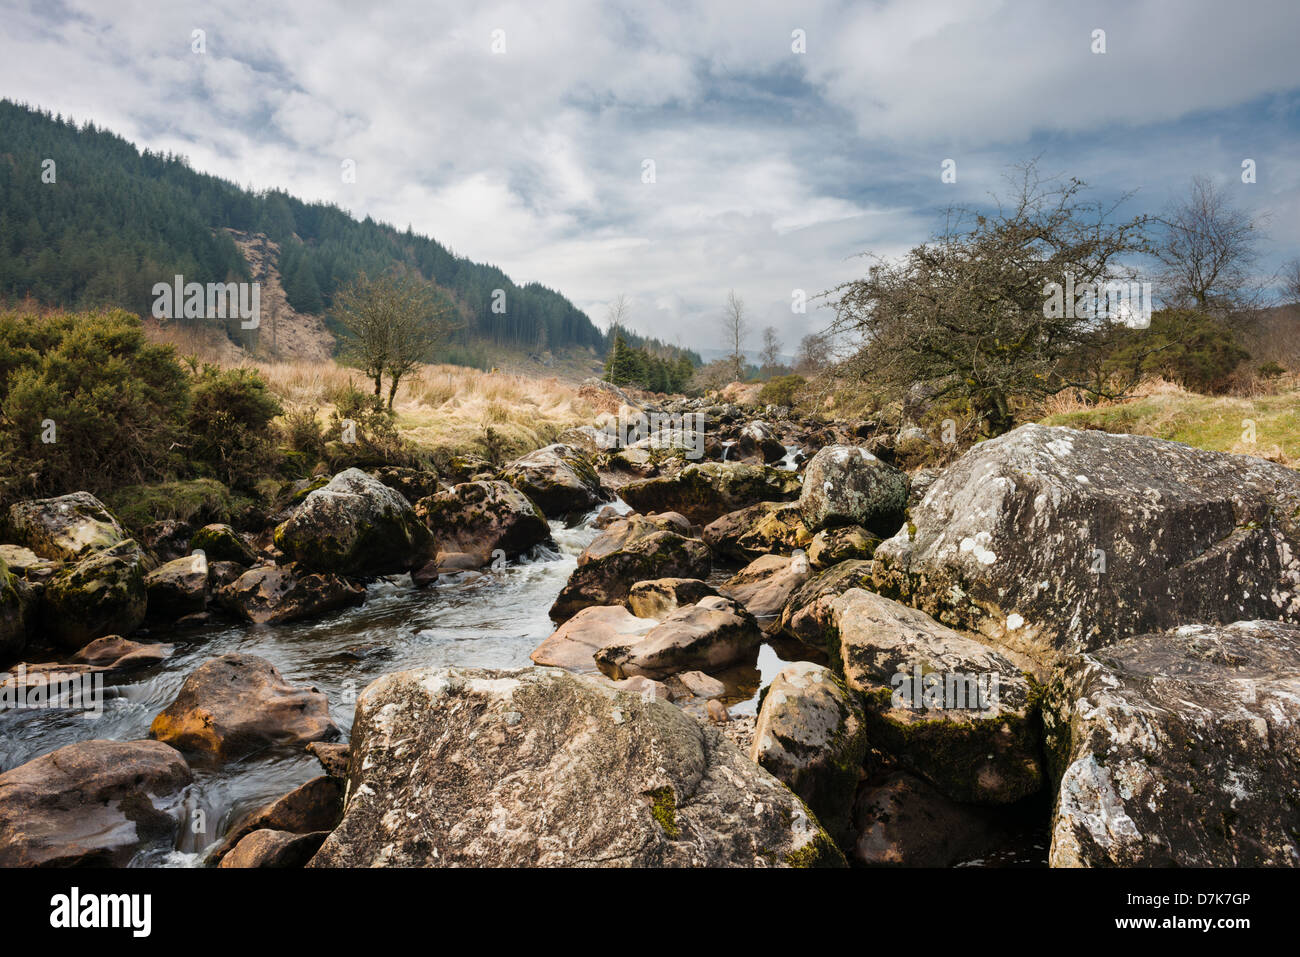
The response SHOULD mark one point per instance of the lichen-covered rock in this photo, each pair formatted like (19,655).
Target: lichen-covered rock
(233,705)
(273,594)
(541,768)
(179,587)
(765,585)
(91,804)
(711,634)
(16,606)
(847,543)
(958,712)
(623,531)
(708,490)
(66,528)
(1052,540)
(560,479)
(221,543)
(102,594)
(167,539)
(758,530)
(606,579)
(812,734)
(481,517)
(1179,748)
(574,644)
(413,484)
(660,597)
(355,525)
(809,614)
(847,485)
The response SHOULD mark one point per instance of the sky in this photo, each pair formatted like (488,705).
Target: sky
(785,139)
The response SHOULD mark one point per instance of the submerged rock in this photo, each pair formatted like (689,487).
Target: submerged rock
(537,767)
(1179,749)
(93,803)
(236,704)
(355,525)
(1051,540)
(268,848)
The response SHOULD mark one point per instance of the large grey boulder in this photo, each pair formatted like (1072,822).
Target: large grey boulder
(559,478)
(847,485)
(1053,540)
(956,711)
(65,528)
(537,767)
(91,804)
(102,594)
(274,594)
(1179,748)
(355,525)
(812,734)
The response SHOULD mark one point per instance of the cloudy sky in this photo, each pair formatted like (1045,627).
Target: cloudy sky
(519,133)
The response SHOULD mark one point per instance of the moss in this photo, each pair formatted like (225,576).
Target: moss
(663,808)
(196,502)
(819,852)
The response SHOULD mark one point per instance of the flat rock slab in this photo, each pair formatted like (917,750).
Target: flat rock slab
(538,767)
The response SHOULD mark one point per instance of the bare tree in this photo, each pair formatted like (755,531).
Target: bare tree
(770,356)
(1291,281)
(615,318)
(395,321)
(1208,250)
(814,353)
(968,314)
(734,328)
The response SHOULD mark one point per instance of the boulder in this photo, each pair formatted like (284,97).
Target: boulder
(811,733)
(758,530)
(660,597)
(708,490)
(902,821)
(310,808)
(179,587)
(167,539)
(272,594)
(66,528)
(221,543)
(15,614)
(607,579)
(412,484)
(847,485)
(268,848)
(333,757)
(958,712)
(115,653)
(847,543)
(765,585)
(102,594)
(559,478)
(355,525)
(711,634)
(1178,749)
(482,517)
(236,704)
(573,645)
(1051,540)
(26,564)
(537,767)
(93,803)
(809,614)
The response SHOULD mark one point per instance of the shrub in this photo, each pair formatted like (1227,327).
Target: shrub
(1191,348)
(1271,370)
(196,502)
(86,403)
(229,424)
(781,390)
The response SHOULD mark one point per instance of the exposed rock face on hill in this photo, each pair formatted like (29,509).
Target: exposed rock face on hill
(1179,748)
(1050,540)
(538,767)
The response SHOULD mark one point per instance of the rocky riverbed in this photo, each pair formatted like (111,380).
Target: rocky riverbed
(1067,647)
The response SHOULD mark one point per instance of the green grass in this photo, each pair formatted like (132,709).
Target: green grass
(1217,423)
(197,501)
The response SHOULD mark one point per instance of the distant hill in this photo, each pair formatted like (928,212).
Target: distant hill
(116,220)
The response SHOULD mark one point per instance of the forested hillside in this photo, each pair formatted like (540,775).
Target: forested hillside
(116,220)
